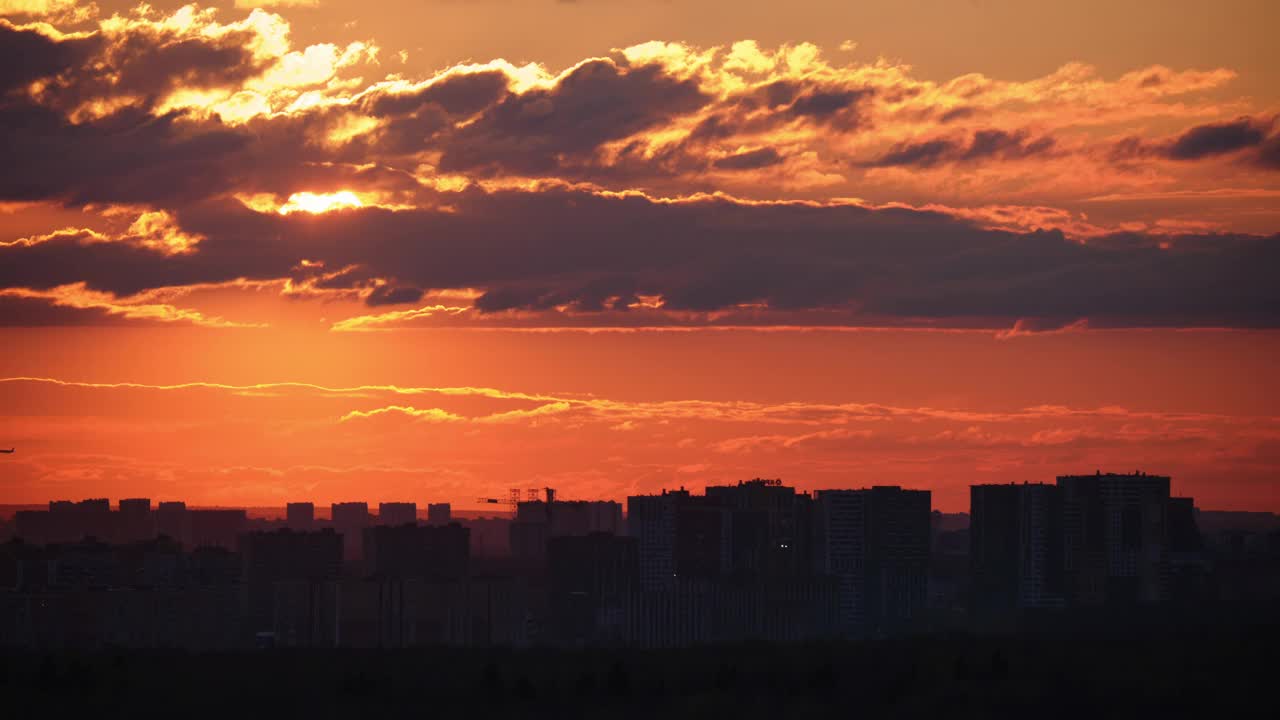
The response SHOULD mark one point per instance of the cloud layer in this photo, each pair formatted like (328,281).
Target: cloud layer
(656,185)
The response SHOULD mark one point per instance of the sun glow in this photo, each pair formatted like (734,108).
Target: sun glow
(320,202)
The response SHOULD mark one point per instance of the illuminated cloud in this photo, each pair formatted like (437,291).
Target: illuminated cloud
(661,184)
(591,253)
(69,11)
(77,305)
(250,4)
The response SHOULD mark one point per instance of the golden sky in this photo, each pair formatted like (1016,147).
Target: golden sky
(255,252)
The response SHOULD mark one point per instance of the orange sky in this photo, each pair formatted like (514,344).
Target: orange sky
(430,251)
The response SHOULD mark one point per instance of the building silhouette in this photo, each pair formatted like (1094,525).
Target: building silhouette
(309,559)
(350,519)
(397,513)
(591,577)
(439,514)
(300,516)
(537,521)
(753,561)
(1016,548)
(216,528)
(651,520)
(172,521)
(134,521)
(429,552)
(1114,527)
(875,544)
(770,528)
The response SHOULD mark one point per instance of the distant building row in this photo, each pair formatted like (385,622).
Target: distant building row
(135,520)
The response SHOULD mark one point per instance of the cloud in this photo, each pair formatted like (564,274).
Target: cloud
(983,145)
(1207,140)
(596,102)
(835,419)
(568,250)
(66,11)
(436,415)
(1243,137)
(75,304)
(251,4)
(750,160)
(663,184)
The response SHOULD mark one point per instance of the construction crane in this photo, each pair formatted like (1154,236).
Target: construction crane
(489,501)
(9,451)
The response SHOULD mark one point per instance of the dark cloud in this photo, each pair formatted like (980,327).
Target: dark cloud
(959,113)
(1269,154)
(1207,140)
(127,157)
(750,160)
(597,253)
(822,104)
(130,155)
(27,56)
(1245,137)
(389,295)
(921,154)
(41,312)
(983,145)
(152,65)
(461,95)
(141,63)
(599,101)
(998,143)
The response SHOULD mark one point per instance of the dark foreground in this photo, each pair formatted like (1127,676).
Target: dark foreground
(1158,674)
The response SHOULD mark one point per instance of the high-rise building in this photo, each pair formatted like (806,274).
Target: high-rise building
(300,516)
(430,552)
(397,513)
(216,528)
(1114,528)
(172,521)
(34,527)
(704,540)
(1015,551)
(875,543)
(1186,565)
(350,519)
(439,514)
(271,557)
(651,520)
(94,520)
(134,520)
(771,530)
(591,577)
(537,521)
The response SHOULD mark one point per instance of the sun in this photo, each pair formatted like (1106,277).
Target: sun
(320,202)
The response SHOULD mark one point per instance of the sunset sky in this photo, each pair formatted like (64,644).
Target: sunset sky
(333,250)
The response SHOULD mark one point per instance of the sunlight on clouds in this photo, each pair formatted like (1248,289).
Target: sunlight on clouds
(438,415)
(69,11)
(78,296)
(158,230)
(389,320)
(350,127)
(320,202)
(314,65)
(246,4)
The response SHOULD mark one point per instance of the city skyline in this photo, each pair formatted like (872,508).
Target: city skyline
(256,251)
(639,358)
(754,560)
